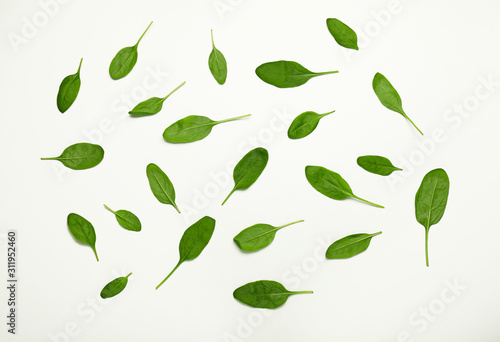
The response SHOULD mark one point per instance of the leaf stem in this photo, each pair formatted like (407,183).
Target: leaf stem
(173,91)
(427,247)
(95,252)
(51,158)
(175,206)
(375,234)
(408,118)
(228,196)
(128,275)
(301,292)
(325,114)
(144,33)
(289,224)
(80,66)
(212,34)
(171,272)
(327,72)
(232,119)
(363,200)
(105,206)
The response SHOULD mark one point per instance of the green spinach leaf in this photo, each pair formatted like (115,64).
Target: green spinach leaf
(377,165)
(258,236)
(430,202)
(265,294)
(349,246)
(217,63)
(161,186)
(114,287)
(124,61)
(126,219)
(389,97)
(80,156)
(192,128)
(82,230)
(343,34)
(305,124)
(331,184)
(68,90)
(249,169)
(151,106)
(193,241)
(286,74)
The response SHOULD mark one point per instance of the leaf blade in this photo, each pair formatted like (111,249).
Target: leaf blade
(80,156)
(114,287)
(217,63)
(265,294)
(68,90)
(377,164)
(350,246)
(304,124)
(160,185)
(82,230)
(343,34)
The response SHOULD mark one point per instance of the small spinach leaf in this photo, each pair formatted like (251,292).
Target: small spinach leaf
(389,97)
(151,106)
(68,90)
(265,294)
(258,236)
(161,186)
(124,61)
(82,230)
(193,241)
(430,202)
(80,156)
(286,74)
(349,246)
(126,219)
(217,63)
(114,287)
(305,124)
(377,165)
(192,128)
(331,184)
(249,169)
(343,34)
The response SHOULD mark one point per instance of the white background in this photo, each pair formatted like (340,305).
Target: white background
(437,54)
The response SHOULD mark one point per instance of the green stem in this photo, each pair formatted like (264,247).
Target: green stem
(212,34)
(289,224)
(95,252)
(105,206)
(375,234)
(171,272)
(325,114)
(144,34)
(301,292)
(326,72)
(228,196)
(427,247)
(175,206)
(128,275)
(52,158)
(232,119)
(363,200)
(173,91)
(408,118)
(80,66)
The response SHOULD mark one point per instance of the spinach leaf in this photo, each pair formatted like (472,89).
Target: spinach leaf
(217,63)
(124,61)
(265,294)
(286,74)
(377,165)
(430,202)
(192,128)
(389,97)
(68,90)
(258,236)
(114,287)
(82,230)
(80,156)
(126,219)
(331,184)
(249,169)
(349,246)
(343,34)
(193,241)
(305,124)
(151,106)
(161,186)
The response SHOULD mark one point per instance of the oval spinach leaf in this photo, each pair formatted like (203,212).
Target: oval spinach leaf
(126,219)
(193,242)
(124,61)
(265,294)
(161,186)
(377,165)
(349,246)
(305,124)
(114,287)
(82,230)
(249,169)
(389,97)
(217,63)
(331,184)
(80,156)
(286,74)
(258,236)
(151,106)
(343,34)
(192,128)
(430,202)
(68,90)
